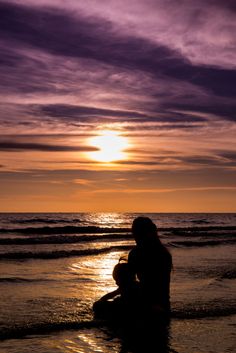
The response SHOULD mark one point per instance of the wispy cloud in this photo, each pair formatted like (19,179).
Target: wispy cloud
(148,191)
(113,55)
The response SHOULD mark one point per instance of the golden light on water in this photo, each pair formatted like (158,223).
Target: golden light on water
(111,146)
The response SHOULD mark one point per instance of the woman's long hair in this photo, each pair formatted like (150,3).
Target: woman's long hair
(146,234)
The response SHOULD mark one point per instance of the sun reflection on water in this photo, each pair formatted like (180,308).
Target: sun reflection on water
(96,274)
(108,219)
(90,341)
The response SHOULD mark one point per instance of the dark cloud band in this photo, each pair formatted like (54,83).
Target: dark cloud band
(61,33)
(9,146)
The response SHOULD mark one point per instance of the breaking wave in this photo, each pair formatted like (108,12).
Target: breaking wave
(63,230)
(200,243)
(62,239)
(46,328)
(62,253)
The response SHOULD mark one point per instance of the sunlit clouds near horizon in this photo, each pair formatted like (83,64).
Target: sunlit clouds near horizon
(118,106)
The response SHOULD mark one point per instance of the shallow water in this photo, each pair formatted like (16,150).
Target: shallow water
(46,302)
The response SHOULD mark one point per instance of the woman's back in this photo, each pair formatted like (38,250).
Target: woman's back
(152,263)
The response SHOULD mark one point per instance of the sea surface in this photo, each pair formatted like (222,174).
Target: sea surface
(53,266)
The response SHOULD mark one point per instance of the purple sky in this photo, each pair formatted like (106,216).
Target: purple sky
(160,73)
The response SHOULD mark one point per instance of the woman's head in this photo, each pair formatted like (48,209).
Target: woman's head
(144,230)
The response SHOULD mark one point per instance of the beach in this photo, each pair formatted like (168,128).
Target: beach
(55,265)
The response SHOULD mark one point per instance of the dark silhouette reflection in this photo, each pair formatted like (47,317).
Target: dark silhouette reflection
(154,339)
(141,336)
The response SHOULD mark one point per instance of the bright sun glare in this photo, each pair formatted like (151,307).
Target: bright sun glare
(111,146)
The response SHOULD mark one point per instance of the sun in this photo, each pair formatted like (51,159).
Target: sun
(111,146)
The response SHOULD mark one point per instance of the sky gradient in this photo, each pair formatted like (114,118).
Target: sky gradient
(158,75)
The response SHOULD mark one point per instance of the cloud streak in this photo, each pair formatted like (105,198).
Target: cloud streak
(24,146)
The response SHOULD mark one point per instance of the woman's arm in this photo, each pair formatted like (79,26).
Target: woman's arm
(110,295)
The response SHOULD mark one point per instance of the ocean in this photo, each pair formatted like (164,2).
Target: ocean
(55,265)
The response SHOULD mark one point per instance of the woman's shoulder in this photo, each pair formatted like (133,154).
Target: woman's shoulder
(134,256)
(133,251)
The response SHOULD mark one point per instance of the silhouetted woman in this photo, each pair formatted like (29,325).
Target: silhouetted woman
(152,263)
